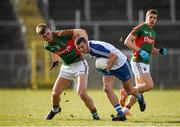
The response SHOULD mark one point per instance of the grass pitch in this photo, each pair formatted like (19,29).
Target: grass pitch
(25,107)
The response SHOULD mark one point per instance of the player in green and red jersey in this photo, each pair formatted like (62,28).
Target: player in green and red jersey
(74,67)
(141,40)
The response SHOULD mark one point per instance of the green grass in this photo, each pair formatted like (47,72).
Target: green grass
(25,107)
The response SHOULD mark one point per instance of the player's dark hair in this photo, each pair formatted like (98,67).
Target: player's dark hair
(151,11)
(41,28)
(78,40)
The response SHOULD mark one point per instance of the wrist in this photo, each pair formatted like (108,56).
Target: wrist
(139,49)
(163,51)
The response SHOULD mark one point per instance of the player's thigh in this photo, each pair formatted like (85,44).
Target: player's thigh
(108,81)
(139,80)
(82,71)
(60,84)
(142,73)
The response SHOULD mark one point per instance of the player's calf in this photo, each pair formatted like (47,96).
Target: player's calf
(123,97)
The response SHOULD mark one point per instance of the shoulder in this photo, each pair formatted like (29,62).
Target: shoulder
(99,42)
(100,45)
(63,32)
(137,28)
(95,43)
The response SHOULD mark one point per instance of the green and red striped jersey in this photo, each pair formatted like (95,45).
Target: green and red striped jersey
(145,40)
(64,47)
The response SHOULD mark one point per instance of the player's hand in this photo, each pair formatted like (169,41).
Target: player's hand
(144,55)
(54,64)
(101,70)
(108,70)
(163,51)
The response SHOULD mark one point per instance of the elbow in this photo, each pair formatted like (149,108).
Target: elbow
(126,42)
(82,30)
(79,30)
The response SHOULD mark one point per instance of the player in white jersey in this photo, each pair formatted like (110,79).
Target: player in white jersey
(98,51)
(118,67)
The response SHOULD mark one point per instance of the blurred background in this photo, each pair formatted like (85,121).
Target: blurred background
(25,63)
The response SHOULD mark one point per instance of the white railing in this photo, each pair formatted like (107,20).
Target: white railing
(15,68)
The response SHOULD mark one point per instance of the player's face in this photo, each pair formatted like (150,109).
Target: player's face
(83,48)
(47,36)
(151,20)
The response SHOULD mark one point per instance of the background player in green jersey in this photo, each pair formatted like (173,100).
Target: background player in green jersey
(141,41)
(74,67)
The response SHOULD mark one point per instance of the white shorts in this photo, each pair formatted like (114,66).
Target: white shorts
(73,70)
(139,68)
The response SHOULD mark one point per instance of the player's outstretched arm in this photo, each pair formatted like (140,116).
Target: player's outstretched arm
(64,32)
(129,42)
(155,51)
(81,33)
(55,59)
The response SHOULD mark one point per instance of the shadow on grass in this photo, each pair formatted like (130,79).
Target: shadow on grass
(84,119)
(169,116)
(158,122)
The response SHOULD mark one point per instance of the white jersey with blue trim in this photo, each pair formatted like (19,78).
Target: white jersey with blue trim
(103,49)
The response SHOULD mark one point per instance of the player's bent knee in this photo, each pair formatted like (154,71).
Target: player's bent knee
(149,86)
(82,95)
(55,95)
(129,91)
(106,89)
